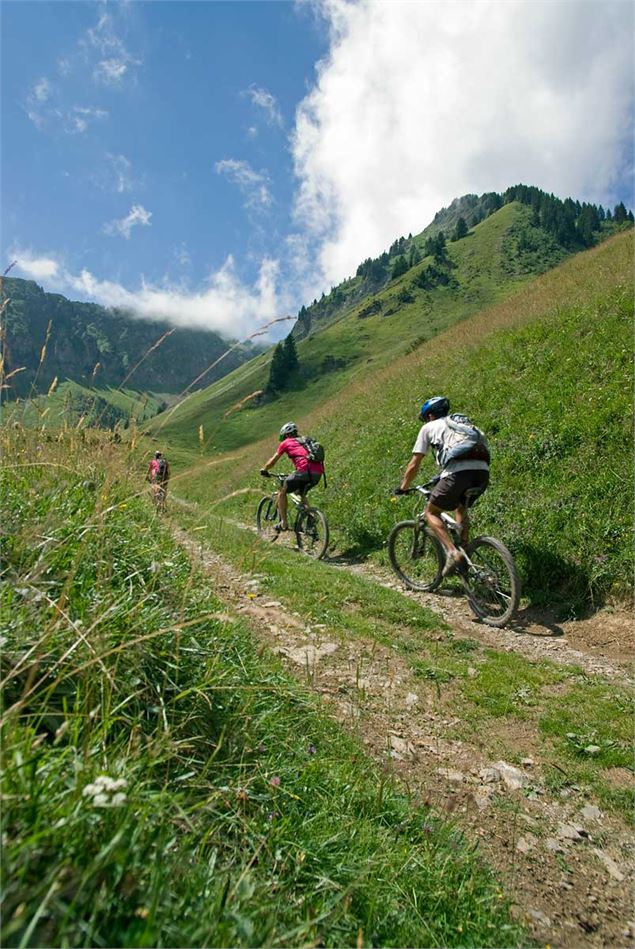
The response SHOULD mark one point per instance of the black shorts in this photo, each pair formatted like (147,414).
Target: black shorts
(449,493)
(302,481)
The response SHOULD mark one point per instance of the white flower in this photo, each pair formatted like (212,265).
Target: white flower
(103,791)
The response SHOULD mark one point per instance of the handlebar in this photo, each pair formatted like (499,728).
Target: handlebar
(425,489)
(274,474)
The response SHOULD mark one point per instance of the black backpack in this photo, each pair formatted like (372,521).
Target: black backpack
(314,448)
(162,469)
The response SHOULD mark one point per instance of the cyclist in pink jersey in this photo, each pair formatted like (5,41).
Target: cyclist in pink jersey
(306,475)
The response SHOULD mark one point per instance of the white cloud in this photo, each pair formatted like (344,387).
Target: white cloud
(37,268)
(417,103)
(42,90)
(266,101)
(224,304)
(136,216)
(77,119)
(254,185)
(115,62)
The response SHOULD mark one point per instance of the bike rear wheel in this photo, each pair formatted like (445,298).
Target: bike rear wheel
(492,582)
(415,555)
(312,532)
(267,517)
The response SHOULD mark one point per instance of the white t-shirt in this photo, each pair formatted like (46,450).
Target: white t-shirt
(435,434)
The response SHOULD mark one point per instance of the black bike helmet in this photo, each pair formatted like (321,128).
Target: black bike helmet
(437,404)
(157,454)
(290,430)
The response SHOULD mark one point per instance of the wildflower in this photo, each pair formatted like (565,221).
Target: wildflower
(106,791)
(275,781)
(311,750)
(261,748)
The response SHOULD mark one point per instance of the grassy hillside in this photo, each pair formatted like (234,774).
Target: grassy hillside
(488,265)
(167,784)
(548,375)
(71,404)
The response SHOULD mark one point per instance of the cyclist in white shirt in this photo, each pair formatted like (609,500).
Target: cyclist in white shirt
(469,472)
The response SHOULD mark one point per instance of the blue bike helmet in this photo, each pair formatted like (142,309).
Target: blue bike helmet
(437,404)
(290,430)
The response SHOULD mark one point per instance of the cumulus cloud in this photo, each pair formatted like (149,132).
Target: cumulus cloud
(254,185)
(417,103)
(136,216)
(224,303)
(36,267)
(266,101)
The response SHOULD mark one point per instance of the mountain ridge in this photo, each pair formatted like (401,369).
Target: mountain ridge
(93,345)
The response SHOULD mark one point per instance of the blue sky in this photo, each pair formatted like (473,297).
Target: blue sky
(221,163)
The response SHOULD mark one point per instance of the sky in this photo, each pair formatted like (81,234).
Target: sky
(220,164)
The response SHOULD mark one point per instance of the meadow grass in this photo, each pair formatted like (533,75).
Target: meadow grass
(165,782)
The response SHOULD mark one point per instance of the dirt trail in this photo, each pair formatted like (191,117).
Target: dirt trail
(567,864)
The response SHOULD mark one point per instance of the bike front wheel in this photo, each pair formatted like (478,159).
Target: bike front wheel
(415,556)
(312,532)
(267,518)
(491,581)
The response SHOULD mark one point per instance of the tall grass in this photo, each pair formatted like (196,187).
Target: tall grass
(164,782)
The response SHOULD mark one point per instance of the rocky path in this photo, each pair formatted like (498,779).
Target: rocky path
(568,865)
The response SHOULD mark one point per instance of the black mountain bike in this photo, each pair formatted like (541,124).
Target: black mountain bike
(311,527)
(490,578)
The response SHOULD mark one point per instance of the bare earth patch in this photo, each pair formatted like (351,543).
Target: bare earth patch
(567,864)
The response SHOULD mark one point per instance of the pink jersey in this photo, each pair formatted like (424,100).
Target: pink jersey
(299,456)
(153,468)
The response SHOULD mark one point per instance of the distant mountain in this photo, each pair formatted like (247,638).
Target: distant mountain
(92,345)
(553,229)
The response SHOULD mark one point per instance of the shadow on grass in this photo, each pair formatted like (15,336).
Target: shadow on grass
(554,584)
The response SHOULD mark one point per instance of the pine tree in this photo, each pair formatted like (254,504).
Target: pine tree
(277,370)
(619,214)
(460,230)
(290,356)
(399,267)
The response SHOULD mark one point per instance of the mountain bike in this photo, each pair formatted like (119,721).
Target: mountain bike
(489,577)
(311,527)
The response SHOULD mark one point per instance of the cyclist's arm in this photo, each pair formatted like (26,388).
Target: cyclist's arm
(271,462)
(411,471)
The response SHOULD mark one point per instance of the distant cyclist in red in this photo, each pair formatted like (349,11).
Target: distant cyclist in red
(158,473)
(306,475)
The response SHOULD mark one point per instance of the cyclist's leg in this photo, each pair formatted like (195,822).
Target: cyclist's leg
(479,481)
(462,518)
(434,521)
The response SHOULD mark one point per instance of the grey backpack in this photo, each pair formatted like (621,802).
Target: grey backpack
(465,442)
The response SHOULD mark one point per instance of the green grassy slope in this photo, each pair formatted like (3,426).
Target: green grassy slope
(547,374)
(71,402)
(167,784)
(486,266)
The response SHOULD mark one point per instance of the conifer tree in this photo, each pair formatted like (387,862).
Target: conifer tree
(290,356)
(460,230)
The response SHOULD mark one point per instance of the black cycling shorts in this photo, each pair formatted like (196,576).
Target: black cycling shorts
(302,481)
(449,493)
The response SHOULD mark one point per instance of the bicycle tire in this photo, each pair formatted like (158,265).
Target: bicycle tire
(267,517)
(492,582)
(312,532)
(415,556)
